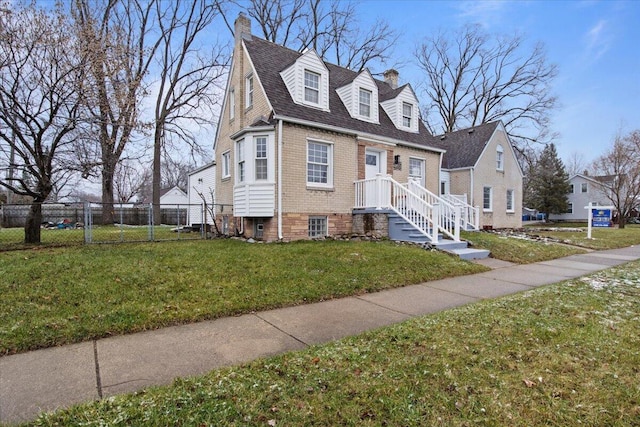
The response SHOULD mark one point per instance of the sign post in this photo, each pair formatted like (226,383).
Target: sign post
(598,216)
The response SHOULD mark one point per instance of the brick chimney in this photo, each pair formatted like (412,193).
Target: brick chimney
(391,77)
(242,27)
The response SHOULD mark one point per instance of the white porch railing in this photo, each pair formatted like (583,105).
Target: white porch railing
(469,215)
(420,209)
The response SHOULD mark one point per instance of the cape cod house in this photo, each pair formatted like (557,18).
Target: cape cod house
(306,149)
(480,168)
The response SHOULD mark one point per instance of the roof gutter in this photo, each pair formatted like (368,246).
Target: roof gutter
(368,136)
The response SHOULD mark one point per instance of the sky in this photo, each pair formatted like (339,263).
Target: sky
(595,44)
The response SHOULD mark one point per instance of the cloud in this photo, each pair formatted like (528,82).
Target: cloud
(598,40)
(486,13)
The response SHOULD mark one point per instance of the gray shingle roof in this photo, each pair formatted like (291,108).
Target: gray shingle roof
(269,59)
(464,147)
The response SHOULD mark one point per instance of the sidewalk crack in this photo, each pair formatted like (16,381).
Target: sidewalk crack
(97,363)
(281,330)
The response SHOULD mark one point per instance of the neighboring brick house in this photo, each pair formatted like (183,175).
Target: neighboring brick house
(305,148)
(481,167)
(583,189)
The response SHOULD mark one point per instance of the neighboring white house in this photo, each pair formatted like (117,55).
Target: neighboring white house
(173,196)
(584,189)
(201,189)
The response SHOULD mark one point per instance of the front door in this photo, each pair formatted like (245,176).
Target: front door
(373,164)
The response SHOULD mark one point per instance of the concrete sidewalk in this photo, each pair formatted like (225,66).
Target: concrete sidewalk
(45,380)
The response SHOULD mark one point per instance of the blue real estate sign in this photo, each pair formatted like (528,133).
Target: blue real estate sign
(601,217)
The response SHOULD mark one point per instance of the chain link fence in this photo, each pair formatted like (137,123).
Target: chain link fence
(84,223)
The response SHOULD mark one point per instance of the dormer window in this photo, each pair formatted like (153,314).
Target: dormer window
(407,114)
(307,81)
(364,107)
(311,86)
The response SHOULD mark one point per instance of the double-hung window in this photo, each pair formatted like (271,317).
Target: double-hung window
(241,164)
(500,158)
(416,170)
(319,164)
(407,114)
(226,164)
(261,157)
(584,187)
(487,199)
(364,103)
(311,87)
(510,200)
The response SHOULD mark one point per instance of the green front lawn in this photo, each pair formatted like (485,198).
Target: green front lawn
(602,238)
(563,355)
(518,250)
(54,296)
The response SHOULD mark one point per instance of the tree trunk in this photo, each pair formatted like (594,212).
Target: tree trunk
(621,221)
(107,194)
(157,175)
(32,225)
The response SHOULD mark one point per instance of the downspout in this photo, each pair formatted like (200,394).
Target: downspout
(279,179)
(471,190)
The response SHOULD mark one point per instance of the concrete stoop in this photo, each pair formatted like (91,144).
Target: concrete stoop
(401,230)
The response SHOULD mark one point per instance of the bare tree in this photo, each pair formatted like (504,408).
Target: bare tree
(190,78)
(128,181)
(41,89)
(576,163)
(473,78)
(618,171)
(116,37)
(331,28)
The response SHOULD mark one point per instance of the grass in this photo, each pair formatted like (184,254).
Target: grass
(59,296)
(602,238)
(13,238)
(563,355)
(518,250)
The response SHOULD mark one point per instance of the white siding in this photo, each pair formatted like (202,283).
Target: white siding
(579,199)
(393,108)
(293,78)
(350,96)
(201,181)
(174,196)
(254,200)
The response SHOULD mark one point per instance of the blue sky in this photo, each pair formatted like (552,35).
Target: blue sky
(595,44)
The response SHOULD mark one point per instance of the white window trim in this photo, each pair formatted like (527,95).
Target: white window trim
(511,196)
(490,208)
(570,208)
(584,185)
(240,158)
(226,164)
(305,87)
(250,86)
(256,158)
(329,183)
(423,167)
(369,116)
(402,115)
(499,158)
(232,104)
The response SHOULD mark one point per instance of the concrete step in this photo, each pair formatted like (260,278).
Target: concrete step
(469,253)
(446,244)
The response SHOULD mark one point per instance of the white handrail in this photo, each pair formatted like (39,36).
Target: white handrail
(424,210)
